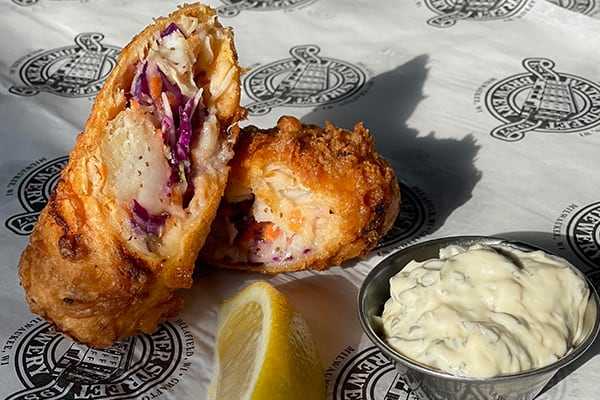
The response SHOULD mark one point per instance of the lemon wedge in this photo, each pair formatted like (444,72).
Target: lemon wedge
(265,350)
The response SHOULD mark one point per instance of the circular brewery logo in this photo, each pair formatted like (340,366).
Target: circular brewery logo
(70,71)
(25,2)
(35,185)
(543,100)
(583,234)
(233,7)
(450,11)
(580,6)
(416,218)
(370,375)
(305,80)
(49,365)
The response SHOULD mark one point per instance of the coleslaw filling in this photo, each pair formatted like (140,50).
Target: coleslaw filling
(256,242)
(165,90)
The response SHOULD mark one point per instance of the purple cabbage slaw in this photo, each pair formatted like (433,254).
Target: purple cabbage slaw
(177,130)
(140,89)
(146,222)
(172,27)
(171,88)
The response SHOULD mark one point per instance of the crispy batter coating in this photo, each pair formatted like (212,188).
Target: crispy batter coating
(80,270)
(300,197)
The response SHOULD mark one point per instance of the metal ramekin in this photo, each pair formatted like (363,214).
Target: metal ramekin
(432,384)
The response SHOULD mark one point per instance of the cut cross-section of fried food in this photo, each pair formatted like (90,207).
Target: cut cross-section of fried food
(143,183)
(302,197)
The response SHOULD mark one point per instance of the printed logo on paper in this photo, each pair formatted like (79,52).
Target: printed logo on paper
(231,8)
(367,375)
(543,99)
(35,185)
(581,6)
(450,11)
(583,234)
(307,79)
(416,218)
(71,71)
(25,3)
(51,366)
(578,229)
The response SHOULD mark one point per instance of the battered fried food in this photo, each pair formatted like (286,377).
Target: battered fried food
(143,183)
(302,197)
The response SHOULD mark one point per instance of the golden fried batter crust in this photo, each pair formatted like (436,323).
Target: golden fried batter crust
(338,165)
(77,270)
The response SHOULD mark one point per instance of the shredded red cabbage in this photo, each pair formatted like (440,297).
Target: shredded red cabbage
(176,129)
(168,87)
(184,142)
(172,27)
(140,89)
(184,133)
(145,221)
(185,127)
(167,124)
(169,137)
(182,151)
(178,142)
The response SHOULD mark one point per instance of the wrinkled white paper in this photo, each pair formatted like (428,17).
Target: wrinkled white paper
(488,110)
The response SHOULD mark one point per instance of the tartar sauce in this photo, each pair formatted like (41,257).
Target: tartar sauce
(486,311)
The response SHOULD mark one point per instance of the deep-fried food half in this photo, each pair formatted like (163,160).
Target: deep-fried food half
(302,197)
(134,204)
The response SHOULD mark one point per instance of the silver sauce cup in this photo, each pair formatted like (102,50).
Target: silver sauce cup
(433,384)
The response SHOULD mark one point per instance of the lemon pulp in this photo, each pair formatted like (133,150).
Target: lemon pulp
(265,350)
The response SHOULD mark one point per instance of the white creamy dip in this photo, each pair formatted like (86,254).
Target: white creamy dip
(486,311)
